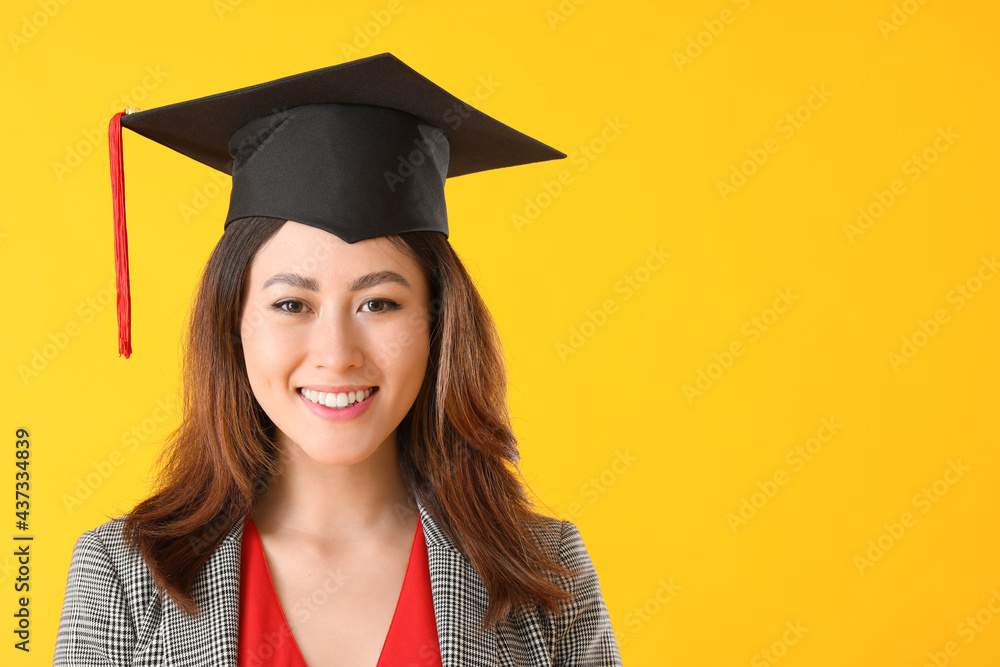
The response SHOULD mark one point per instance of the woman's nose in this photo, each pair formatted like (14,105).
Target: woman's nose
(336,343)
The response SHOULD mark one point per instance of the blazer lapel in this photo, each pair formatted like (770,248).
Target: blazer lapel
(210,637)
(460,601)
(459,596)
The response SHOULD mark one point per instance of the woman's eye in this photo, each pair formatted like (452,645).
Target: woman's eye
(293,307)
(379,305)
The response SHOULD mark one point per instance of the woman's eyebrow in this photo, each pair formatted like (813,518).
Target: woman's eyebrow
(358,284)
(377,278)
(292,280)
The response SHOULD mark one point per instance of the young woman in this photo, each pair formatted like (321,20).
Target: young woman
(341,489)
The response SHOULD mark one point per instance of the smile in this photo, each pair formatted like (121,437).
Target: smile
(342,400)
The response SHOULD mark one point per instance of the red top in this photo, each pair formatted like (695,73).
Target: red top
(266,639)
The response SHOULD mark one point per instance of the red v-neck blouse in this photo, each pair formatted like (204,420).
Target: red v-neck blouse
(266,639)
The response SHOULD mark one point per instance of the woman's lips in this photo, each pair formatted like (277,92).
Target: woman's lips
(335,399)
(329,409)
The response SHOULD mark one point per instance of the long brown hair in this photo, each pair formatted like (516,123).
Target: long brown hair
(455,447)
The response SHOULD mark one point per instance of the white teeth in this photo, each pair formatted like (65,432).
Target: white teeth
(331,400)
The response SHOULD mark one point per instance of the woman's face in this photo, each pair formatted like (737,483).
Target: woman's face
(336,338)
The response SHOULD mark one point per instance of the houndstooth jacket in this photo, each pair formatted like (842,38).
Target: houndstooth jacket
(112,614)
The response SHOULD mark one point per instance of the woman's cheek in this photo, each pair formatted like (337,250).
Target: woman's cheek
(265,348)
(398,347)
(414,355)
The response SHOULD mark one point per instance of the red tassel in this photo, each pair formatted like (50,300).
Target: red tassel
(121,237)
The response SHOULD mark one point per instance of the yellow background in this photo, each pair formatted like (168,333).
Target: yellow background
(669,99)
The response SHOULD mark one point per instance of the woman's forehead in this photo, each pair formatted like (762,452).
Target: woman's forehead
(317,254)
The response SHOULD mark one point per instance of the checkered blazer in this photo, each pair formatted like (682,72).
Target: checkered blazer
(112,614)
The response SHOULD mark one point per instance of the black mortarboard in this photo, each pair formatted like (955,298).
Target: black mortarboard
(360,149)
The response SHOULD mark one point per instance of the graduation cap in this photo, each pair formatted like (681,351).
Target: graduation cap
(360,149)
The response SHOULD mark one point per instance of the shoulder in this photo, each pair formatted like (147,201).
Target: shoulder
(113,613)
(107,541)
(104,565)
(581,632)
(103,554)
(110,600)
(562,539)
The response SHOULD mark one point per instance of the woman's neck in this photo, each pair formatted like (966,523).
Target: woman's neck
(332,503)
